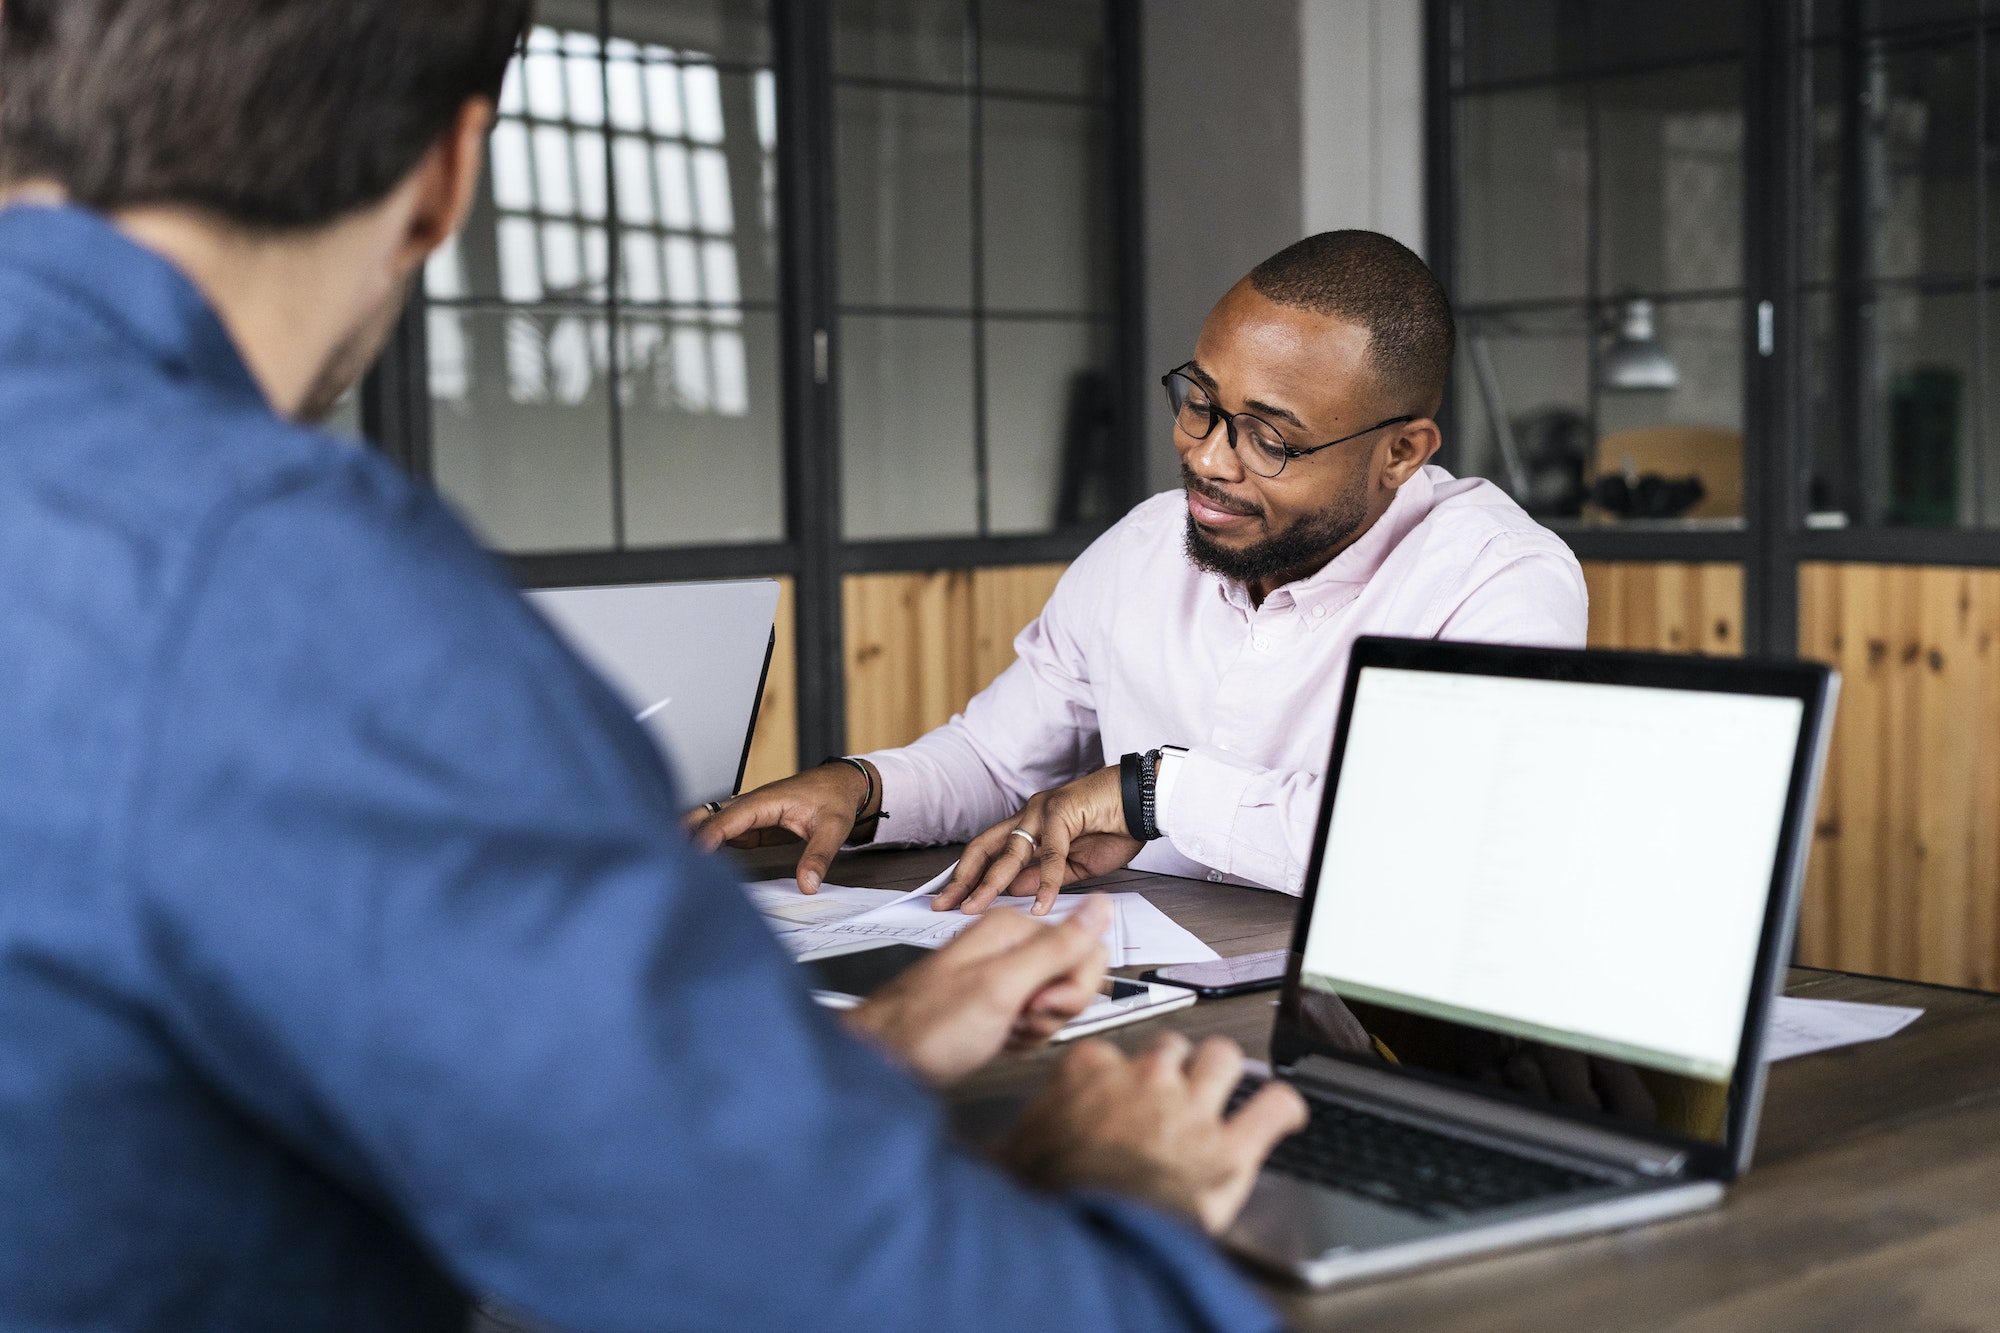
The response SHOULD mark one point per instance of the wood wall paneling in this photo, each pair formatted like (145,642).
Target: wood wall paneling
(774,746)
(918,646)
(1666,607)
(1904,877)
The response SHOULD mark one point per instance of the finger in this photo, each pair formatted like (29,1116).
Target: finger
(1213,1073)
(970,863)
(1007,864)
(1090,1059)
(1054,862)
(1275,1111)
(1063,999)
(1163,1061)
(822,845)
(736,819)
(1047,956)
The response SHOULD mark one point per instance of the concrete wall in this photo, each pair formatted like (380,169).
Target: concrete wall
(1222,162)
(1267,120)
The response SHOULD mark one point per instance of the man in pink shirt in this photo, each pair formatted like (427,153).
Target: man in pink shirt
(1173,705)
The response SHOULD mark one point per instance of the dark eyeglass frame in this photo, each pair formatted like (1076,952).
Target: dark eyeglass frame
(1230,419)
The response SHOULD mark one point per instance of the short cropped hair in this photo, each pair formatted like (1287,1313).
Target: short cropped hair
(274,114)
(1366,278)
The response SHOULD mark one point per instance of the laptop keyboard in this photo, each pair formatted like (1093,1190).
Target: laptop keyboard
(1409,1168)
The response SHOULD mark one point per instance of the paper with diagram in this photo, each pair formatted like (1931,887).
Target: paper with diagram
(840,918)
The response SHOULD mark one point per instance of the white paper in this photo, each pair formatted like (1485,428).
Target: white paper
(1800,1027)
(839,918)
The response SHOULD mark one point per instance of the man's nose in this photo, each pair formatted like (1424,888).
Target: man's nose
(1211,456)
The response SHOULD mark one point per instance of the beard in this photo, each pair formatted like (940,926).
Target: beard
(1310,541)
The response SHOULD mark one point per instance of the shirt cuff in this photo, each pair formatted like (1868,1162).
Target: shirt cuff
(1211,793)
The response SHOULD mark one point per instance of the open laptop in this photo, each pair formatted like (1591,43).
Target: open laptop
(1550,898)
(690,659)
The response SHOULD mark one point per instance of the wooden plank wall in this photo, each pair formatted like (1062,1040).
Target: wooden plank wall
(1668,608)
(920,645)
(1904,878)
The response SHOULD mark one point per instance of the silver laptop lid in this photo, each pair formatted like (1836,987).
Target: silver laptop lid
(689,658)
(1567,879)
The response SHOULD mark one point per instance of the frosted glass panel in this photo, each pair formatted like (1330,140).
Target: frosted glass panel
(906,427)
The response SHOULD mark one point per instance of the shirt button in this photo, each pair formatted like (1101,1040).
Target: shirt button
(1319,613)
(1215,877)
(1259,644)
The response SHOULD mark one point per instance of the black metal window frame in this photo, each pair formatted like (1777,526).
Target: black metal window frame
(396,405)
(1778,108)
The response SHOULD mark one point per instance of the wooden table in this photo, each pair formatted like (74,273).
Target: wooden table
(1874,1203)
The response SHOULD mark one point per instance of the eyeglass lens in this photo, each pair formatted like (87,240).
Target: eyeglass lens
(1260,448)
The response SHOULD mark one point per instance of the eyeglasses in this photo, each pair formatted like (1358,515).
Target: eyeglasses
(1268,453)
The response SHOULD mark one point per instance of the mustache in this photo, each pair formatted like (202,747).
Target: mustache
(1219,499)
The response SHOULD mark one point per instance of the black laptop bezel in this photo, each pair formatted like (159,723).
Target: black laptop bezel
(1813,685)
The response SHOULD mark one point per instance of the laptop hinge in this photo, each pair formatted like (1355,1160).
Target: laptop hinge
(1521,1125)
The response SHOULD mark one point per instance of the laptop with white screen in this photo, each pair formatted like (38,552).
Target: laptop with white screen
(689,658)
(1550,898)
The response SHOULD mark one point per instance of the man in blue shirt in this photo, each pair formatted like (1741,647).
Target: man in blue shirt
(350,957)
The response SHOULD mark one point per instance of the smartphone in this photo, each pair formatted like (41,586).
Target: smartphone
(1226,976)
(845,979)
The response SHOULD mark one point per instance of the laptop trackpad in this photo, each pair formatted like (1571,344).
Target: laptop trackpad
(1290,1221)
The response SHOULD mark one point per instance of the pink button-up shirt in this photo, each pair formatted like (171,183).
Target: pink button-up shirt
(1139,648)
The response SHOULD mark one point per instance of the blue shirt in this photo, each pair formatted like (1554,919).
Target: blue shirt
(350,959)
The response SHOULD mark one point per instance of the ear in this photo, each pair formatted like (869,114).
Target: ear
(1409,449)
(443,182)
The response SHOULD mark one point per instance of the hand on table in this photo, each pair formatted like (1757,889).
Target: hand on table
(1151,1126)
(1072,832)
(1006,983)
(818,806)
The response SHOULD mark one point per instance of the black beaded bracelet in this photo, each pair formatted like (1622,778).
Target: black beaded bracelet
(1149,771)
(1132,787)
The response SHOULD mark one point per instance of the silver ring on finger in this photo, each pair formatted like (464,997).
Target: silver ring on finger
(713,807)
(1034,843)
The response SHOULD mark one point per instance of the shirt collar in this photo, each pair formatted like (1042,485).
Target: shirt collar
(133,293)
(1340,579)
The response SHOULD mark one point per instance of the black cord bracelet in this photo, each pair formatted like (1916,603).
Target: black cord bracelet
(1149,772)
(867,777)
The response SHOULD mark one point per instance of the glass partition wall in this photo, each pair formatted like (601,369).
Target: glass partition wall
(788,288)
(1728,277)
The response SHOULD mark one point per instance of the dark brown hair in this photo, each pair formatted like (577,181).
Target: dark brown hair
(272,113)
(1366,278)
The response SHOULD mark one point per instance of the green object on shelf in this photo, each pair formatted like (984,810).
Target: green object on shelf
(1923,449)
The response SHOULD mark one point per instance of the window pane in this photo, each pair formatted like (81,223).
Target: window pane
(537,230)
(1525,195)
(1051,46)
(732,30)
(697,216)
(901,39)
(1921,381)
(702,426)
(903,189)
(906,428)
(523,446)
(1881,15)
(1823,137)
(1670,181)
(1049,437)
(1540,364)
(1695,430)
(1919,146)
(1047,207)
